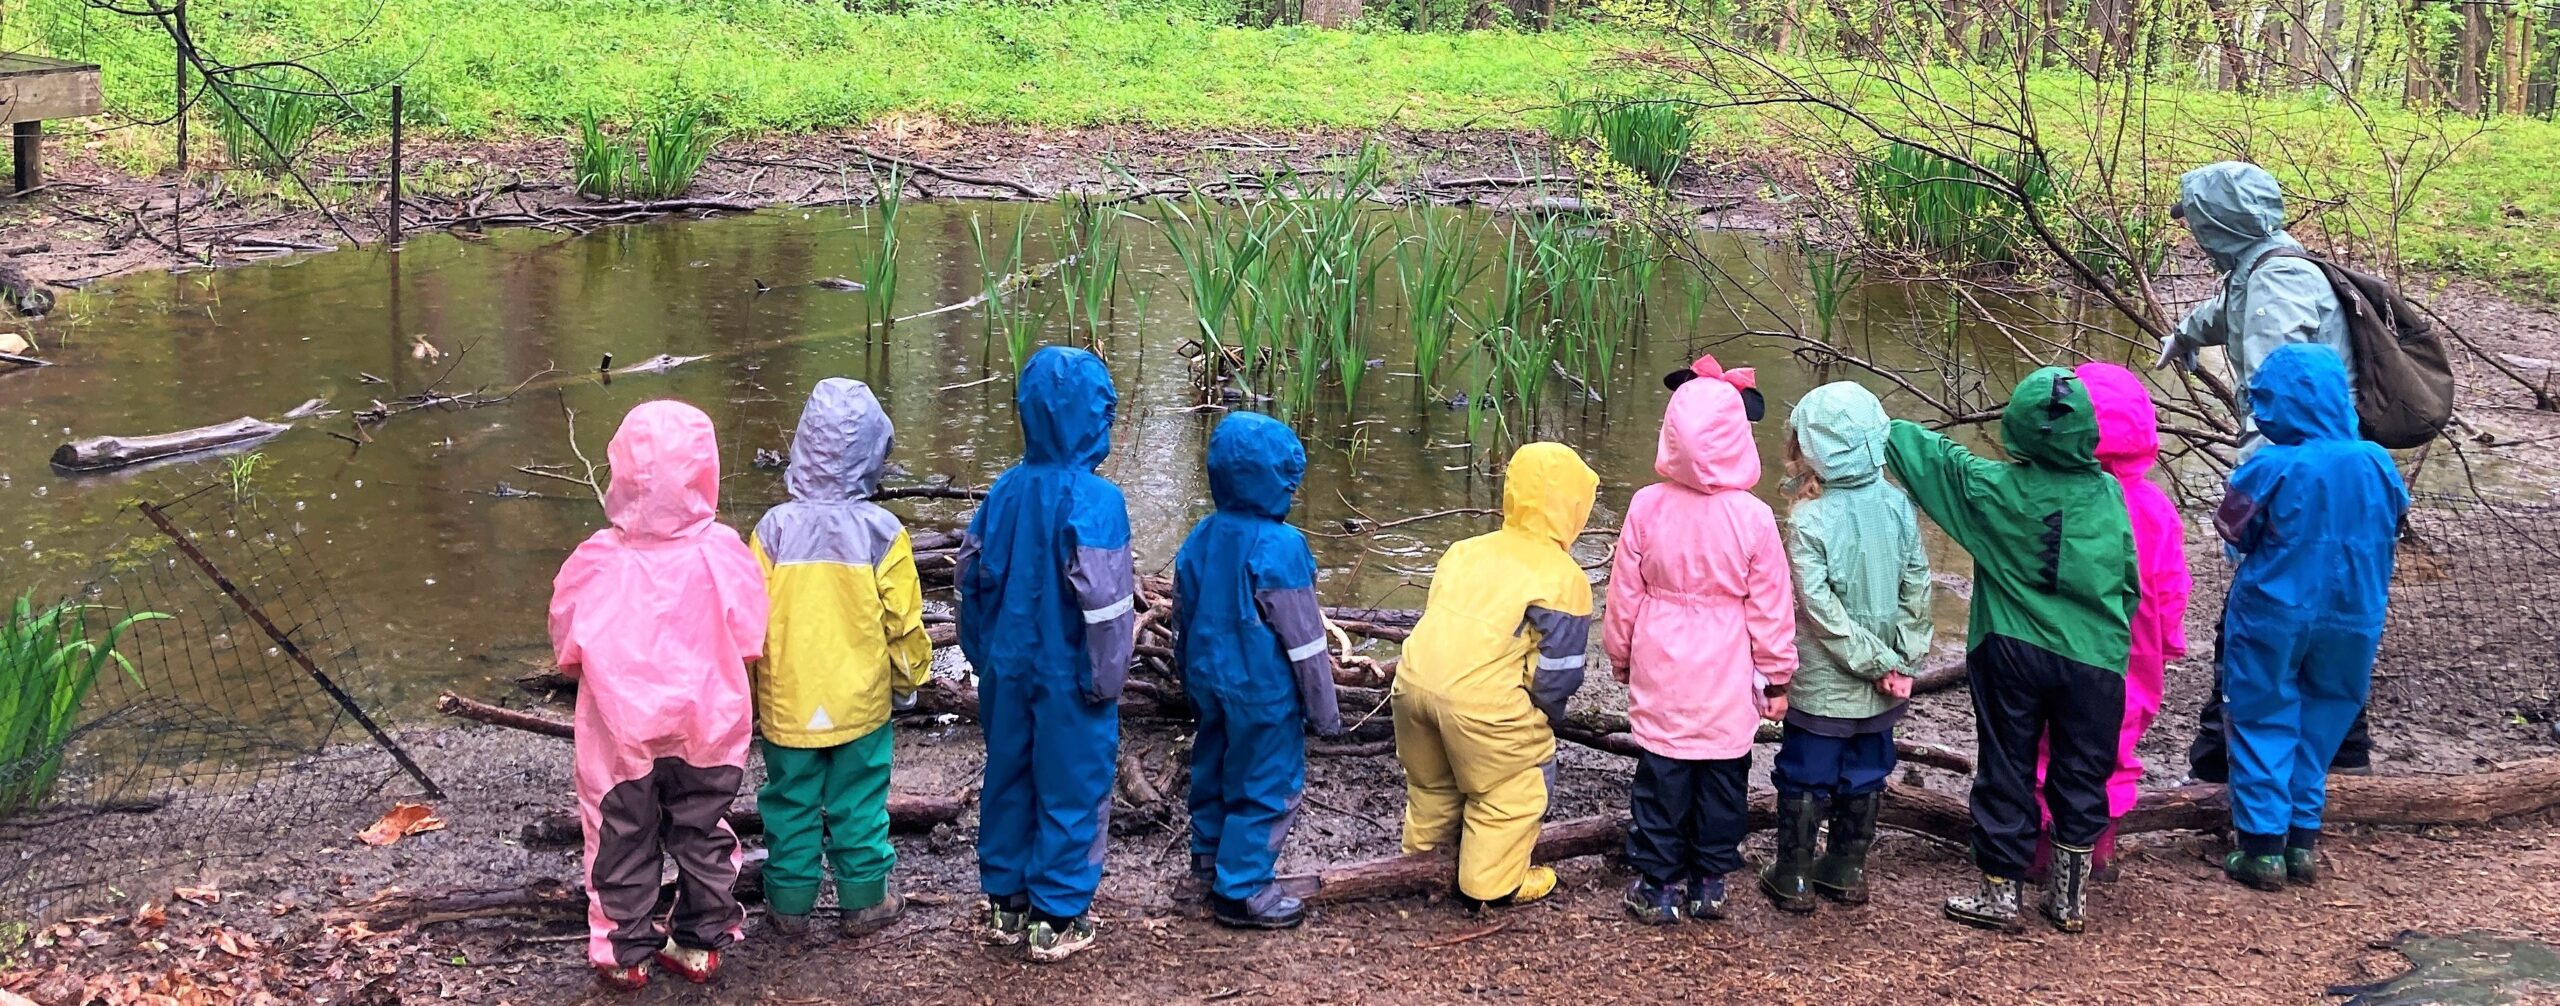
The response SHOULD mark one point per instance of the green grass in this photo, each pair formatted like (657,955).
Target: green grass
(48,664)
(267,122)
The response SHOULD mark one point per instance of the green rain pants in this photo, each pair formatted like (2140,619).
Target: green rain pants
(827,806)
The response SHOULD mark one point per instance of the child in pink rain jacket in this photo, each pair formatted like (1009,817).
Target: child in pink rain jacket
(1701,629)
(657,617)
(2128,445)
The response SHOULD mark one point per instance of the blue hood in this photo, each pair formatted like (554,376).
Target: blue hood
(1066,403)
(2300,394)
(2235,210)
(1255,465)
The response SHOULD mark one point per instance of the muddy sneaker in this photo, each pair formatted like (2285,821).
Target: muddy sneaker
(1994,906)
(696,966)
(630,979)
(875,918)
(1653,905)
(1704,899)
(2066,894)
(2301,866)
(2265,873)
(1006,922)
(1056,941)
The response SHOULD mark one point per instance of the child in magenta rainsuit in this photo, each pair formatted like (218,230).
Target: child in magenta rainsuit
(657,617)
(2128,445)
(1701,629)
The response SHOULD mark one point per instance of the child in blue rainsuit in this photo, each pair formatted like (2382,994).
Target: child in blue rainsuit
(1254,661)
(1047,618)
(2314,515)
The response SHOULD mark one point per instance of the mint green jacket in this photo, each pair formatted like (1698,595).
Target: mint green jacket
(1861,575)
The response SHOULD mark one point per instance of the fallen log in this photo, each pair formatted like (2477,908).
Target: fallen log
(1608,732)
(481,712)
(909,813)
(97,454)
(396,909)
(1404,617)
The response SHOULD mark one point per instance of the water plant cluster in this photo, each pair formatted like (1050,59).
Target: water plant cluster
(49,662)
(668,152)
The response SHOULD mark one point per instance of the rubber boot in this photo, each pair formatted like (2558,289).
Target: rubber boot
(2102,860)
(2066,893)
(1535,885)
(689,963)
(1053,940)
(1204,875)
(621,979)
(1841,873)
(866,921)
(2265,873)
(1993,906)
(1007,919)
(1266,909)
(2301,858)
(1653,904)
(1704,900)
(1784,879)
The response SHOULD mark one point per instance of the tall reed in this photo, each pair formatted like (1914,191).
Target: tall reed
(1830,275)
(1435,264)
(1651,136)
(1007,317)
(48,665)
(880,263)
(1089,234)
(265,122)
(1915,200)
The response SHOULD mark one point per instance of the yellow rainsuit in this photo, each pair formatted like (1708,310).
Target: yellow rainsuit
(1499,650)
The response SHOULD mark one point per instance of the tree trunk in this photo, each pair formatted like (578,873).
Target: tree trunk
(2471,53)
(1331,13)
(2299,70)
(2331,66)
(2233,46)
(2418,87)
(2511,64)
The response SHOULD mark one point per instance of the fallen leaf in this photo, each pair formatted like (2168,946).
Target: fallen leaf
(405,819)
(199,895)
(150,916)
(12,342)
(421,349)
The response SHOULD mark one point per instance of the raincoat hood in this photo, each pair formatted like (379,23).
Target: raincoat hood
(2048,422)
(1706,439)
(841,446)
(2231,207)
(1840,428)
(1548,490)
(2300,394)
(2128,424)
(1255,465)
(1067,403)
(666,473)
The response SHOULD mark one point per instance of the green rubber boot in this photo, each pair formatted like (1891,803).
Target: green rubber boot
(2265,873)
(1784,880)
(1841,873)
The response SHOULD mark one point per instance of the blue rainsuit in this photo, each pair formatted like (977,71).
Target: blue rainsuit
(2314,515)
(1253,656)
(1047,596)
(2236,212)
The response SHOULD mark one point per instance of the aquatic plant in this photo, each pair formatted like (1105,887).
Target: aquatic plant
(1435,264)
(999,271)
(1650,135)
(1915,200)
(880,263)
(1224,250)
(265,121)
(48,665)
(676,145)
(240,471)
(1571,119)
(1325,275)
(1830,275)
(602,165)
(1091,239)
(1572,265)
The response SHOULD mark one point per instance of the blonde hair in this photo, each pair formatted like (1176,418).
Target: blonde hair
(1803,482)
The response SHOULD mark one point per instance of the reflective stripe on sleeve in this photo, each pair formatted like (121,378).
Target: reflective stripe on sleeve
(1561,663)
(1115,609)
(1312,648)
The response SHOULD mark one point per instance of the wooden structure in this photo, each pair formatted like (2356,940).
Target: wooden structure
(33,89)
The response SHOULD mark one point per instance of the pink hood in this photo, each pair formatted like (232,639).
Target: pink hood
(1701,602)
(660,613)
(1706,440)
(2128,447)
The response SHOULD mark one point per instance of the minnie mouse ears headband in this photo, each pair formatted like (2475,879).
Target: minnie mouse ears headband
(1743,379)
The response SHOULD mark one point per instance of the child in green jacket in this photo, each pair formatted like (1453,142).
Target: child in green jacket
(2054,592)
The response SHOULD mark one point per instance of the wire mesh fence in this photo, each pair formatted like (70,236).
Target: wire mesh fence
(2475,610)
(240,711)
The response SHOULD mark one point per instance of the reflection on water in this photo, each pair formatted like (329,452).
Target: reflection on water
(444,567)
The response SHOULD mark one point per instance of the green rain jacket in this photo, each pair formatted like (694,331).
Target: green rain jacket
(2053,561)
(1861,575)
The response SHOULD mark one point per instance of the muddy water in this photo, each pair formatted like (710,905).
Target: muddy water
(444,569)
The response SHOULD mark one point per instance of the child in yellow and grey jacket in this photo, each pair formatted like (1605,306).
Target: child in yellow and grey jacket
(845,645)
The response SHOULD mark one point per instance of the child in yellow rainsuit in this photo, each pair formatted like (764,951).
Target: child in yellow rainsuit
(1499,650)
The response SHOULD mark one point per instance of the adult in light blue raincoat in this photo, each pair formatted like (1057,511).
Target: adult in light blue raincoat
(1254,661)
(2236,212)
(1047,594)
(2314,515)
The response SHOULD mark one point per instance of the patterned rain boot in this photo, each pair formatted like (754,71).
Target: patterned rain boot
(1653,904)
(2066,894)
(2301,857)
(1784,879)
(621,979)
(690,964)
(2264,873)
(1841,873)
(1993,906)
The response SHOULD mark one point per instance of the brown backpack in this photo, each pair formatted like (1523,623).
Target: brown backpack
(2404,387)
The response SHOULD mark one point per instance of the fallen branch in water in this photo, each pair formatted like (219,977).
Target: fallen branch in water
(97,454)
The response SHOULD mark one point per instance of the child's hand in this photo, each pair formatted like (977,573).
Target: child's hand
(1896,684)
(1621,672)
(1774,707)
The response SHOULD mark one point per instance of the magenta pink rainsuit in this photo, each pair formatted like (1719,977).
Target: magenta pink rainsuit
(2128,445)
(1701,602)
(657,617)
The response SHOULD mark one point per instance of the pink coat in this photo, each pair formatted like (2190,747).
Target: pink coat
(657,616)
(2128,445)
(1701,604)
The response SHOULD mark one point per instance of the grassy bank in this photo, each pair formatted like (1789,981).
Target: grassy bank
(511,68)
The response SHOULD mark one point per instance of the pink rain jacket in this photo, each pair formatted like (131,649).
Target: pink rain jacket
(658,616)
(1701,604)
(2128,445)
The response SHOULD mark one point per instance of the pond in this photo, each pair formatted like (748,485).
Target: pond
(444,567)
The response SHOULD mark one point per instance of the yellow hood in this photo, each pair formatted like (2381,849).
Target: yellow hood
(1548,492)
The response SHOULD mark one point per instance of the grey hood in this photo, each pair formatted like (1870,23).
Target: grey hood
(841,446)
(2235,210)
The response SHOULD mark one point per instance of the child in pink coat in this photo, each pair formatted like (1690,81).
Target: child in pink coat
(2128,445)
(1701,629)
(657,617)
